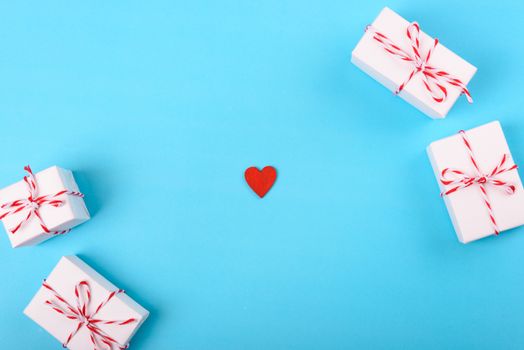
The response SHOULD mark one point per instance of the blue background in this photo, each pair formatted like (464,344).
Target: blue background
(160,106)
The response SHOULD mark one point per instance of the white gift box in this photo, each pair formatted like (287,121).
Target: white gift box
(466,206)
(61,218)
(392,71)
(65,277)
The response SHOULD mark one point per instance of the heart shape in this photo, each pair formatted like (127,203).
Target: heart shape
(260,181)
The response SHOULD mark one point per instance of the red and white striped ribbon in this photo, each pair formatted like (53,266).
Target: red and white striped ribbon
(434,79)
(33,202)
(460,180)
(81,313)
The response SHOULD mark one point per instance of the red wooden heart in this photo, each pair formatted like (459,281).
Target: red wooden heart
(260,181)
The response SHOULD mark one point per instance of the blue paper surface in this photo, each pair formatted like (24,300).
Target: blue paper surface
(159,107)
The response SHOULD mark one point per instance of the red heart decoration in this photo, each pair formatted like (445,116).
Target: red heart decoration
(260,181)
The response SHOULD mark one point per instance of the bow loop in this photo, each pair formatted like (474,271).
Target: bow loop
(30,181)
(413,34)
(454,177)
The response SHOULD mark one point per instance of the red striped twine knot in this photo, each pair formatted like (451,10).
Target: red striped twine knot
(34,202)
(434,79)
(460,180)
(81,313)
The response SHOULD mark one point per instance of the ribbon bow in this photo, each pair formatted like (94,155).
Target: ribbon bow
(80,313)
(434,79)
(33,203)
(460,180)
